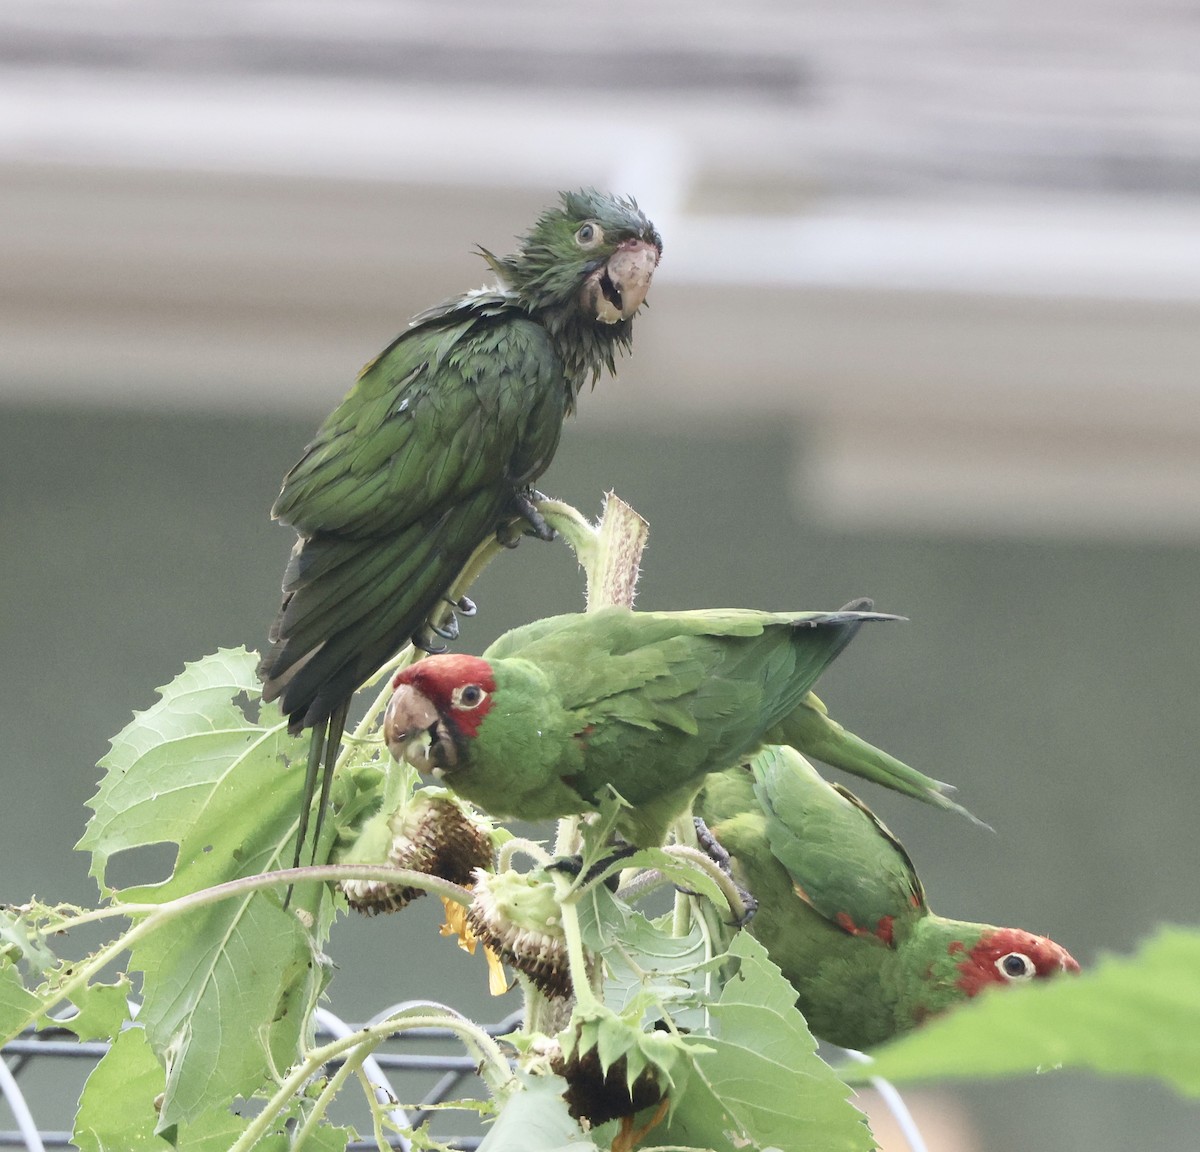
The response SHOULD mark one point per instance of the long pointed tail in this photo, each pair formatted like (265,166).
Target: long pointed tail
(323,748)
(811,730)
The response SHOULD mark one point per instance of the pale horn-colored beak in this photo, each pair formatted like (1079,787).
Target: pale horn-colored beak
(410,717)
(617,289)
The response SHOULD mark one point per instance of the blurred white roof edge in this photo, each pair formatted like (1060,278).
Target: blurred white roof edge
(977,356)
(1064,245)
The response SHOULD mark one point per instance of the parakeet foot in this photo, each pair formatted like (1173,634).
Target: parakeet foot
(523,505)
(717,854)
(509,535)
(573,865)
(425,642)
(464,604)
(712,846)
(447,631)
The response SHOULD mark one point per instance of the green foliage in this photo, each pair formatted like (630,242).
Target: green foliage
(102,1011)
(1128,1016)
(181,773)
(117,1108)
(758,1082)
(681,1035)
(227,990)
(18,1007)
(536,1120)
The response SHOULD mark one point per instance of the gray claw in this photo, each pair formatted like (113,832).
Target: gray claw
(447,631)
(716,852)
(427,644)
(508,535)
(528,512)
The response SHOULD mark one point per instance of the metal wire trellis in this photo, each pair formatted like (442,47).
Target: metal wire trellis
(31,1049)
(57,1043)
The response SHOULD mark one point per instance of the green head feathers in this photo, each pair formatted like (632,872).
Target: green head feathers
(575,241)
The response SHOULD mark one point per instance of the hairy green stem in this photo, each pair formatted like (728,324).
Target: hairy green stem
(681,914)
(529,848)
(157,915)
(568,899)
(495,1069)
(377,1110)
(351,1065)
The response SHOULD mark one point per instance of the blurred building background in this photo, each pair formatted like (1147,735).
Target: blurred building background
(927,328)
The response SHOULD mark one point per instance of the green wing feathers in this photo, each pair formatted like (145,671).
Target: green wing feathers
(843,861)
(479,403)
(659,699)
(404,480)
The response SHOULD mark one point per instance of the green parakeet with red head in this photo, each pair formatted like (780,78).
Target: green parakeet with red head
(557,712)
(434,450)
(842,912)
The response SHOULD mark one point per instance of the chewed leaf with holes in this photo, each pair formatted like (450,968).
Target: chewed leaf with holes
(203,768)
(117,1110)
(228,984)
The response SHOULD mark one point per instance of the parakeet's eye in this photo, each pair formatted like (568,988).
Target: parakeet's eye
(467,697)
(1016,966)
(589,235)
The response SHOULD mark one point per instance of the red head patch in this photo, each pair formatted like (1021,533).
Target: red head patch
(1010,956)
(460,687)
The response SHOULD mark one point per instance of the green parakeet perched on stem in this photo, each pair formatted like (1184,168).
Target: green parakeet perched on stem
(555,712)
(434,450)
(842,912)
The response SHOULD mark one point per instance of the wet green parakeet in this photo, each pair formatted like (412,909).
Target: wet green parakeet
(842,912)
(557,712)
(434,449)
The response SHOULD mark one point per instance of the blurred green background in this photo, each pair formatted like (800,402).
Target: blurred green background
(926,329)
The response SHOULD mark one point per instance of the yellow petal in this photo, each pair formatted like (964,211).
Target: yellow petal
(457,925)
(497,980)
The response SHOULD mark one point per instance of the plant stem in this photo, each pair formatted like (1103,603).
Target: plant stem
(352,1064)
(156,915)
(493,1060)
(585,997)
(529,848)
(681,914)
(377,1110)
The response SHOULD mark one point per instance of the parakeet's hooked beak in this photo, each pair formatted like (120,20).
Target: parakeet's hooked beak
(414,731)
(616,290)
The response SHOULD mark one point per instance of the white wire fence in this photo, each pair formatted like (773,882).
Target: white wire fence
(411,1066)
(421,1064)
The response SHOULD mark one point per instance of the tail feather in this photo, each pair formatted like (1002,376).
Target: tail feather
(324,745)
(350,604)
(812,731)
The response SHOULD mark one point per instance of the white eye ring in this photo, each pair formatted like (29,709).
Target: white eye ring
(468,697)
(1015,966)
(589,235)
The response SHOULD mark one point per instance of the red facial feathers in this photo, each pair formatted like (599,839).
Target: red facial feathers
(460,687)
(1008,956)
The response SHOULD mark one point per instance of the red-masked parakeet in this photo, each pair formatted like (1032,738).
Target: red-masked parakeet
(555,712)
(842,912)
(435,448)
